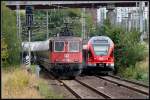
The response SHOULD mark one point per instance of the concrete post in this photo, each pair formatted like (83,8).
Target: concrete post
(19,29)
(129,21)
(47,24)
(136,16)
(83,23)
(141,5)
(38,71)
(102,15)
(18,20)
(111,15)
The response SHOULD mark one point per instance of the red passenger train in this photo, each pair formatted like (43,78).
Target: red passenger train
(99,52)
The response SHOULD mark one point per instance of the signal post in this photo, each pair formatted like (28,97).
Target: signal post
(29,22)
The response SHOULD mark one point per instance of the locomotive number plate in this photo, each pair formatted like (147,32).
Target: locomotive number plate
(101,59)
(66,55)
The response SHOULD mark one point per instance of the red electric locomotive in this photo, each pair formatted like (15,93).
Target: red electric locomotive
(99,53)
(64,56)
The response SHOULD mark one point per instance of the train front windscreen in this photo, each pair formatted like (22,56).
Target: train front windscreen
(101,49)
(73,46)
(59,46)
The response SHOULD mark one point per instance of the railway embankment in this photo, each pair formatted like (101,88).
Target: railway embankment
(139,72)
(17,82)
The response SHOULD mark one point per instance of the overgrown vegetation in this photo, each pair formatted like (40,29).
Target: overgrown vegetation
(141,69)
(44,89)
(10,42)
(128,49)
(4,52)
(47,92)
(18,83)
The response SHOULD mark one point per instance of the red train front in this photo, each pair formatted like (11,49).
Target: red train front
(99,52)
(66,50)
(64,55)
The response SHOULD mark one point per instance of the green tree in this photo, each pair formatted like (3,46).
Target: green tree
(128,49)
(56,19)
(9,34)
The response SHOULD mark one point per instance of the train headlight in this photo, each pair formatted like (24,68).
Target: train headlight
(112,65)
(91,64)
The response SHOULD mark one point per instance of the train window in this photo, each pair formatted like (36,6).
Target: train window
(73,46)
(100,41)
(59,46)
(100,49)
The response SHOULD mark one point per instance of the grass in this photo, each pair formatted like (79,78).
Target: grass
(33,68)
(47,92)
(18,83)
(139,72)
(44,89)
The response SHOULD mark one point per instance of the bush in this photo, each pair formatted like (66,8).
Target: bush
(135,72)
(33,68)
(9,33)
(128,49)
(4,53)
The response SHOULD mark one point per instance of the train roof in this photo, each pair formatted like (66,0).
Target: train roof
(92,40)
(101,40)
(65,38)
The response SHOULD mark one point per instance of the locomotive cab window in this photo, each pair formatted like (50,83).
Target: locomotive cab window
(73,46)
(58,46)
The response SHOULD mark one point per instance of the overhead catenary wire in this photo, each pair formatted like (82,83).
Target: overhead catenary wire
(124,19)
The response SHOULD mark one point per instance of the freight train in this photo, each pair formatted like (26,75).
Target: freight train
(98,53)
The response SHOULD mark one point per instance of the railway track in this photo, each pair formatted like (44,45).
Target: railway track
(110,89)
(79,90)
(134,82)
(128,84)
(98,87)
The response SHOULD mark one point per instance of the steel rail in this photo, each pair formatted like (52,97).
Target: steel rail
(67,87)
(137,83)
(125,85)
(71,90)
(91,88)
